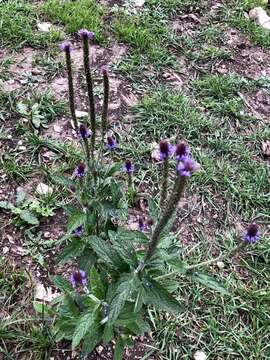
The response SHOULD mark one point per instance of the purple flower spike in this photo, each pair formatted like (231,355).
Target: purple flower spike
(80,170)
(85,34)
(252,234)
(78,231)
(128,167)
(186,167)
(165,149)
(111,143)
(65,46)
(141,224)
(78,278)
(84,133)
(182,151)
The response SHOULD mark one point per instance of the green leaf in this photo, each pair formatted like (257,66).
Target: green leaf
(97,286)
(29,217)
(124,247)
(105,252)
(73,249)
(158,296)
(178,265)
(86,260)
(120,295)
(209,282)
(42,308)
(153,209)
(119,348)
(108,333)
(62,180)
(22,108)
(6,205)
(62,283)
(85,323)
(76,219)
(92,339)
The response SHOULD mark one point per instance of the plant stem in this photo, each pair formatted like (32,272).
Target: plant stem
(164,184)
(176,194)
(71,91)
(105,105)
(90,92)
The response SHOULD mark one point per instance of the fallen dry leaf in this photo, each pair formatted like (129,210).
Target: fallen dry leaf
(44,294)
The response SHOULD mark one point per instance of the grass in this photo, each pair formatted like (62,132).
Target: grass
(18,26)
(77,15)
(231,190)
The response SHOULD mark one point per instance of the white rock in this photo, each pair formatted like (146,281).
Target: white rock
(45,294)
(47,235)
(220,265)
(260,16)
(81,114)
(20,142)
(200,355)
(57,128)
(43,189)
(44,26)
(5,250)
(139,3)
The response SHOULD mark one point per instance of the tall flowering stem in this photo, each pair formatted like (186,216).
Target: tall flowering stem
(184,170)
(106,87)
(176,194)
(86,36)
(164,183)
(66,48)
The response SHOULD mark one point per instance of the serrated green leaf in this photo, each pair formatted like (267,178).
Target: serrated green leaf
(86,260)
(124,247)
(106,253)
(121,294)
(22,108)
(76,219)
(85,323)
(158,296)
(91,340)
(29,217)
(73,249)
(209,282)
(153,209)
(97,286)
(41,308)
(62,283)
(6,205)
(62,180)
(178,265)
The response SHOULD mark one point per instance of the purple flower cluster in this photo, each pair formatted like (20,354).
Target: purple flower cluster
(80,170)
(65,46)
(111,143)
(185,164)
(252,234)
(85,34)
(78,279)
(78,231)
(128,167)
(144,225)
(84,133)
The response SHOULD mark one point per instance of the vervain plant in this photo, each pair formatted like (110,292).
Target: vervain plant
(119,272)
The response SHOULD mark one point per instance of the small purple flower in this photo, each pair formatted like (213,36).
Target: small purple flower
(84,133)
(252,234)
(111,143)
(78,278)
(78,231)
(80,170)
(186,167)
(141,224)
(165,149)
(128,167)
(182,151)
(65,46)
(85,34)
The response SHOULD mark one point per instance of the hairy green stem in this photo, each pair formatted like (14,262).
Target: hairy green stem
(172,203)
(71,91)
(90,92)
(105,104)
(164,183)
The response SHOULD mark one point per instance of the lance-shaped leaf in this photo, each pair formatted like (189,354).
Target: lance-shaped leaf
(208,281)
(85,323)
